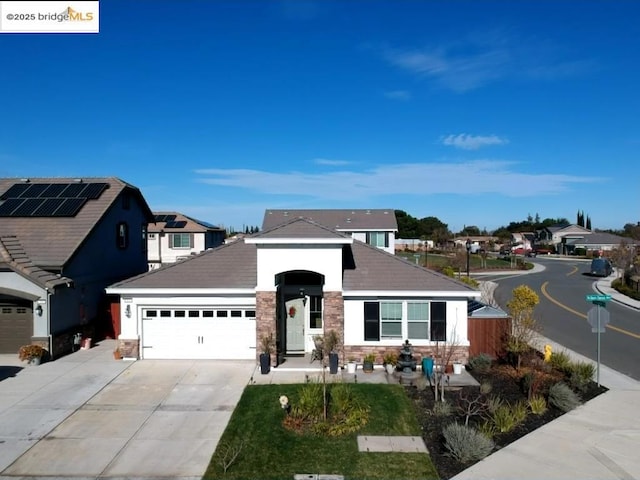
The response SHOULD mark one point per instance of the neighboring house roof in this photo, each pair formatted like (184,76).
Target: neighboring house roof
(572,229)
(602,238)
(51,241)
(365,267)
(478,309)
(14,257)
(175,222)
(343,220)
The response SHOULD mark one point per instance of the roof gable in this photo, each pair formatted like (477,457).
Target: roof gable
(343,220)
(299,228)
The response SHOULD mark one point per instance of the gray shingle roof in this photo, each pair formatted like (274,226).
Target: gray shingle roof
(52,241)
(345,219)
(234,266)
(603,238)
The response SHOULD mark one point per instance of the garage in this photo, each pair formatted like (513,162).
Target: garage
(198,333)
(16,323)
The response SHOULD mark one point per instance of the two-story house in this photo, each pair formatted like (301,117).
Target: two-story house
(375,227)
(62,241)
(175,237)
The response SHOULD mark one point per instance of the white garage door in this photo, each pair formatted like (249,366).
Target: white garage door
(197,333)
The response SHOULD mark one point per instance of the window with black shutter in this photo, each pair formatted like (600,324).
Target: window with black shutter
(438,321)
(371,321)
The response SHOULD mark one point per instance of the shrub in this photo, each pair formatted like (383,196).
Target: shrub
(421,383)
(537,404)
(488,429)
(531,383)
(493,403)
(560,361)
(466,444)
(28,352)
(310,404)
(442,409)
(580,375)
(562,397)
(480,363)
(507,417)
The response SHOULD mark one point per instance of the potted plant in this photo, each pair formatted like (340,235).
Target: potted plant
(390,361)
(31,353)
(330,345)
(367,363)
(351,366)
(266,347)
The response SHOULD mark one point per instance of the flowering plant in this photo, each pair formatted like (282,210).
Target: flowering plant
(292,311)
(28,352)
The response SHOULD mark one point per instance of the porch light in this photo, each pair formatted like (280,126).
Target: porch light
(127,311)
(39,310)
(303,296)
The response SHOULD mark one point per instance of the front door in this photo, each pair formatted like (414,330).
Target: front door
(294,311)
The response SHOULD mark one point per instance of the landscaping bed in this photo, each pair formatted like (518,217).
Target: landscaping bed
(506,383)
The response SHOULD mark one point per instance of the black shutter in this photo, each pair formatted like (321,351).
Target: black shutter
(371,321)
(438,321)
(386,239)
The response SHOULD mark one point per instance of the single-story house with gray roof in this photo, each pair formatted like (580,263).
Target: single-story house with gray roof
(296,280)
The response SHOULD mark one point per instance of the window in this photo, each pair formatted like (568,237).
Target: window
(181,240)
(315,311)
(122,235)
(152,236)
(378,239)
(179,313)
(415,320)
(391,319)
(207,313)
(418,320)
(236,313)
(222,313)
(250,314)
(194,313)
(165,313)
(6,310)
(143,229)
(150,313)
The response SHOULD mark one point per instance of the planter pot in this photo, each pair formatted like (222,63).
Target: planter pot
(427,366)
(448,368)
(351,367)
(35,361)
(390,368)
(265,363)
(457,368)
(367,367)
(333,363)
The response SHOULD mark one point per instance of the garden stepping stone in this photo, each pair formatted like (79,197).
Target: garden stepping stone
(381,443)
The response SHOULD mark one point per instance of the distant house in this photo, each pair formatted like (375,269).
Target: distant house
(599,242)
(294,280)
(62,241)
(175,237)
(375,227)
(558,236)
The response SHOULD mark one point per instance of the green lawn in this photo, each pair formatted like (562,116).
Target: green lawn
(271,452)
(475,261)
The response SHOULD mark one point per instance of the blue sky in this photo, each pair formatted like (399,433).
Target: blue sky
(475,112)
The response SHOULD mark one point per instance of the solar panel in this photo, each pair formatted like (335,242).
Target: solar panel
(160,218)
(27,207)
(94,190)
(48,207)
(15,191)
(53,190)
(33,191)
(70,207)
(9,206)
(74,190)
(179,224)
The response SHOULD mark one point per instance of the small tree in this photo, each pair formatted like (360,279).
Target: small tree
(623,257)
(523,324)
(443,354)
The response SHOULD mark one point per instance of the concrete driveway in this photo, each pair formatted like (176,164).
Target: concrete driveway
(88,415)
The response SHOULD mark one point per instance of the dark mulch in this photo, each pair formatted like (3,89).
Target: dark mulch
(505,382)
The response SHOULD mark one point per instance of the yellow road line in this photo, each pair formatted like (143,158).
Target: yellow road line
(575,269)
(543,289)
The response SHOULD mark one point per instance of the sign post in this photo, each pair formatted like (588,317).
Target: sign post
(598,317)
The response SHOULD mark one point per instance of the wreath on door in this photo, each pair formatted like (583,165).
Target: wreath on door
(292,311)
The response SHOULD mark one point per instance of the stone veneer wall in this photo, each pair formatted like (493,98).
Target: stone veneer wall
(265,319)
(460,354)
(333,317)
(129,348)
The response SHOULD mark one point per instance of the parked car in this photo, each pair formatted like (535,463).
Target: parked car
(601,267)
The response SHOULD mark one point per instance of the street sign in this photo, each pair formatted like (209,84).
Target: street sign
(598,320)
(598,298)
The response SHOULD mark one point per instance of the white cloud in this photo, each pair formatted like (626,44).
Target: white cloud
(327,161)
(472,142)
(422,179)
(398,95)
(480,59)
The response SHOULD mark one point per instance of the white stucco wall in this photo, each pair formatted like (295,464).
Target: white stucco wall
(323,259)
(165,254)
(354,323)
